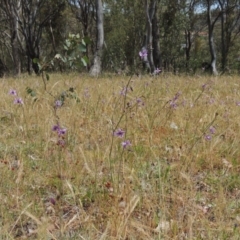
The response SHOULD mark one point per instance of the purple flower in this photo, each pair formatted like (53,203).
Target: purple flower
(212,130)
(208,137)
(18,101)
(143,53)
(61,131)
(86,93)
(58,103)
(55,128)
(13,92)
(212,100)
(52,200)
(123,91)
(140,102)
(119,133)
(238,103)
(157,71)
(173,104)
(177,95)
(126,143)
(204,86)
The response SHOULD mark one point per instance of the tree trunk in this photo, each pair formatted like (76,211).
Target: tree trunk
(15,46)
(223,64)
(155,42)
(29,65)
(150,13)
(188,47)
(96,69)
(211,38)
(11,9)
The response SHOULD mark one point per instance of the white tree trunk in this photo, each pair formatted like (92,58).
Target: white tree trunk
(148,61)
(211,39)
(96,68)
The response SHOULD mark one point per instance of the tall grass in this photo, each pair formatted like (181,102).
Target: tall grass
(173,173)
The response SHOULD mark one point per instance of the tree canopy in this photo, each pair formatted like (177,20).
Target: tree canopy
(141,36)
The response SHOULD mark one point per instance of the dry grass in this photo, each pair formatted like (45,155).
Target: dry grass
(177,180)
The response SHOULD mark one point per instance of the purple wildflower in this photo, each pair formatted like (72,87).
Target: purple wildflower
(126,143)
(13,92)
(52,200)
(204,86)
(140,102)
(61,131)
(212,130)
(208,137)
(143,53)
(173,104)
(55,128)
(157,71)
(238,103)
(119,133)
(58,103)
(18,101)
(212,101)
(177,95)
(123,91)
(86,93)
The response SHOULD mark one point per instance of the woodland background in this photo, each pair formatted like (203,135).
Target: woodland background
(180,35)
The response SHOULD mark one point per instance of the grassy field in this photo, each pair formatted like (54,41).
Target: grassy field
(120,158)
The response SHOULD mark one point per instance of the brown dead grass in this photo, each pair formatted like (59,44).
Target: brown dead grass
(171,183)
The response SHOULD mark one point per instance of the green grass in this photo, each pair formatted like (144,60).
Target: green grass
(175,181)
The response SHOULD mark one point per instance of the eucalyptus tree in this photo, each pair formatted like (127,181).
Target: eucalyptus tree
(89,13)
(230,22)
(35,16)
(211,21)
(173,21)
(150,8)
(11,9)
(96,68)
(124,29)
(85,13)
(150,52)
(193,25)
(156,38)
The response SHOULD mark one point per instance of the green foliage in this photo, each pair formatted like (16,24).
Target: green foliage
(70,93)
(30,91)
(74,47)
(124,26)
